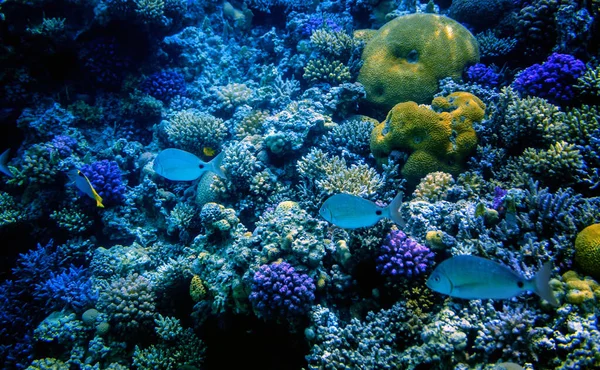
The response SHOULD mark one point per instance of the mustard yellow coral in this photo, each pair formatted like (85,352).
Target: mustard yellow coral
(197,289)
(587,250)
(437,139)
(407,57)
(579,291)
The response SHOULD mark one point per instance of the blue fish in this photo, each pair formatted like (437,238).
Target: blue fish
(83,183)
(352,212)
(472,277)
(179,165)
(3,164)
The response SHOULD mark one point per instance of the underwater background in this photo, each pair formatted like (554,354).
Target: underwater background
(484,115)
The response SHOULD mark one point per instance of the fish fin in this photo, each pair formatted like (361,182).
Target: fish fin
(394,210)
(99,203)
(542,286)
(215,165)
(3,161)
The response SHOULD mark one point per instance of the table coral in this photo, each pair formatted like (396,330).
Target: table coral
(409,55)
(436,139)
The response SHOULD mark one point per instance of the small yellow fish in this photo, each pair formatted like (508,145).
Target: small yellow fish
(208,151)
(82,183)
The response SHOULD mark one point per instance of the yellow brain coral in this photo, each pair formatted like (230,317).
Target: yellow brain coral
(407,57)
(587,250)
(436,139)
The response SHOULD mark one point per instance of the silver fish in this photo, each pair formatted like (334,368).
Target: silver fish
(3,164)
(472,277)
(352,212)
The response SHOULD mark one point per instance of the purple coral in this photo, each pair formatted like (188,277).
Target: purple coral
(106,178)
(63,144)
(483,75)
(402,256)
(164,85)
(316,22)
(278,291)
(551,80)
(499,195)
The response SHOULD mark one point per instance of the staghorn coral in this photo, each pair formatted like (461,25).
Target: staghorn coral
(350,139)
(331,175)
(588,84)
(74,220)
(232,95)
(491,46)
(560,163)
(333,72)
(333,44)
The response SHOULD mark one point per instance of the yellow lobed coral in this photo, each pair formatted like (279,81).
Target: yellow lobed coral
(587,250)
(197,289)
(579,291)
(434,141)
(407,57)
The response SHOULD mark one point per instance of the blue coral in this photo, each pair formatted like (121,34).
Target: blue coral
(483,75)
(553,80)
(316,22)
(70,289)
(164,85)
(278,291)
(402,256)
(106,178)
(63,144)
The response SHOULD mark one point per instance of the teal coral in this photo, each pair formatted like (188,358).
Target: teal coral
(333,72)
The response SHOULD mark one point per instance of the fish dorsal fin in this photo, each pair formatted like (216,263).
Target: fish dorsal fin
(178,165)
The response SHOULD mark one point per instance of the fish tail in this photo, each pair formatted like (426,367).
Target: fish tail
(215,165)
(99,203)
(542,286)
(3,161)
(394,210)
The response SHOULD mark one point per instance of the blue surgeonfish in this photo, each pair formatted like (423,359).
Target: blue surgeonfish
(82,183)
(179,165)
(472,277)
(3,161)
(352,212)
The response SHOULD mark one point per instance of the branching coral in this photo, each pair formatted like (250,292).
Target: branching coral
(193,130)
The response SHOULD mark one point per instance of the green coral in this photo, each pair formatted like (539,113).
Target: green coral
(333,44)
(409,55)
(193,130)
(434,187)
(331,175)
(560,162)
(10,211)
(491,45)
(48,363)
(178,348)
(330,71)
(72,219)
(251,123)
(39,166)
(587,250)
(439,138)
(589,83)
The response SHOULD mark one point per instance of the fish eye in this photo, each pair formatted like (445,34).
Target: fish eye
(378,212)
(436,278)
(201,166)
(520,284)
